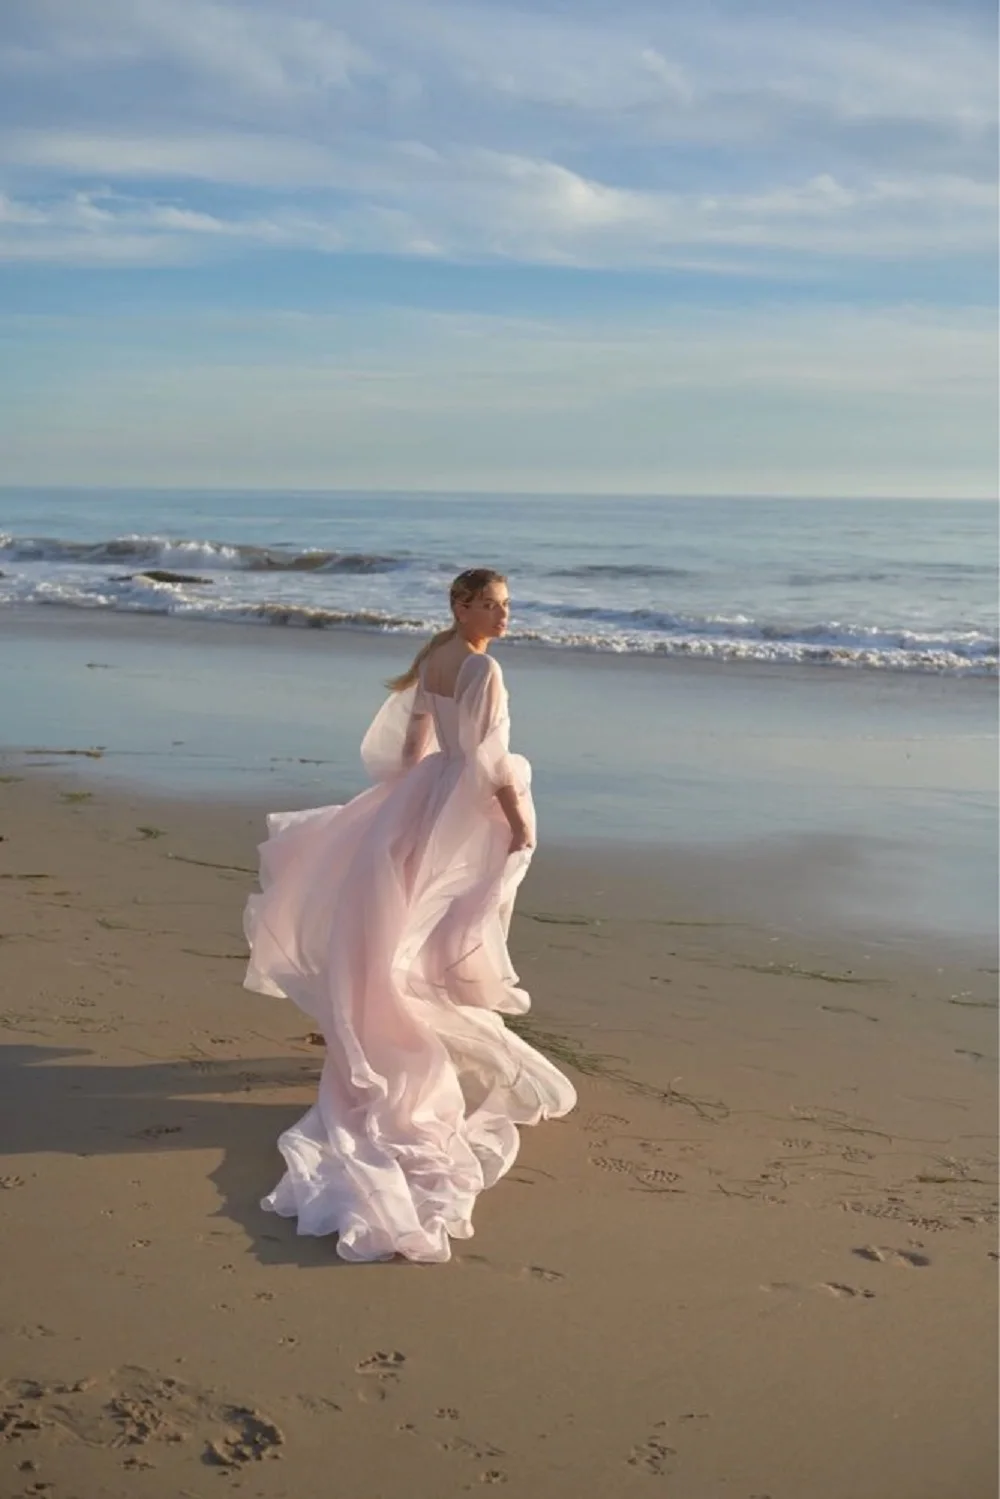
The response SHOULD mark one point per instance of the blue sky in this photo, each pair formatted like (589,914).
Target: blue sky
(713,248)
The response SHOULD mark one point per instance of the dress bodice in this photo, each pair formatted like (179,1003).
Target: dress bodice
(444,712)
(472,726)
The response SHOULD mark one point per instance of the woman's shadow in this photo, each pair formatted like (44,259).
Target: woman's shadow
(50,1104)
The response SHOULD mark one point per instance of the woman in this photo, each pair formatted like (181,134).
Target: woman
(386,921)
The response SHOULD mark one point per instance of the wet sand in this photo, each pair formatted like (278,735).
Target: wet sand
(797,798)
(758,1260)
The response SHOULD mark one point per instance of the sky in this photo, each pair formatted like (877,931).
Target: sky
(647,247)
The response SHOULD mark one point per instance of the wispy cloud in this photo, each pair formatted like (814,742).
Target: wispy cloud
(448,130)
(221,156)
(810,146)
(478,205)
(263,52)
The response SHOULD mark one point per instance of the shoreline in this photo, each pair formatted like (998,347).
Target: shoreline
(838,801)
(775,1198)
(55,618)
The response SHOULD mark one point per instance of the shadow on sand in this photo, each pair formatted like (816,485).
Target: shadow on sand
(53,1104)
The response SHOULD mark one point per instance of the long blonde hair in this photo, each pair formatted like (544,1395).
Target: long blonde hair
(464,589)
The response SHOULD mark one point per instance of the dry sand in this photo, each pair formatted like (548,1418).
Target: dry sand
(756,1263)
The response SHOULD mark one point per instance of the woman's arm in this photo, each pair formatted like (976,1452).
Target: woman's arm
(401,733)
(510,806)
(482,702)
(418,738)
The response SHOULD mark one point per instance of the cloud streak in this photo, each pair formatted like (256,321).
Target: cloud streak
(261,52)
(822,400)
(448,149)
(487,132)
(471,205)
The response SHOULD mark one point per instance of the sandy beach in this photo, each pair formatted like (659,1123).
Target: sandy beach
(652,349)
(758,1260)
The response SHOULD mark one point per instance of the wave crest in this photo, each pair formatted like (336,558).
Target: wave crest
(733,639)
(166,552)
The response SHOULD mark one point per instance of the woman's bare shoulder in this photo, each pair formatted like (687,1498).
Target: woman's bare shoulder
(445,667)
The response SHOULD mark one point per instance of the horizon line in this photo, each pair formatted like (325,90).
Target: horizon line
(464,492)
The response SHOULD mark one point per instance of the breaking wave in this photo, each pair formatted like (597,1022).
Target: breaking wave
(216,556)
(734,638)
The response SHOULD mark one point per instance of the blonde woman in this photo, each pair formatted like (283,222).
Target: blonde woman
(386,921)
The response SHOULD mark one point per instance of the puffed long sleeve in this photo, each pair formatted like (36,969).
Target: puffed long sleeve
(484,723)
(401,733)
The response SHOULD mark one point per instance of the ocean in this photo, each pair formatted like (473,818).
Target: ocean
(888,586)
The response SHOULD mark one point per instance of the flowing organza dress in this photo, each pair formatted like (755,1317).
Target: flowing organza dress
(386,921)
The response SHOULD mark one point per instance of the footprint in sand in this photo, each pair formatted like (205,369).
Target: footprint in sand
(839,1289)
(612,1163)
(139,1419)
(11,1183)
(446,1413)
(653,1456)
(381,1364)
(522,1272)
(656,1178)
(653,1147)
(18,1420)
(318,1405)
(382,1370)
(883,1255)
(463,1447)
(136,1407)
(250,1438)
(602,1121)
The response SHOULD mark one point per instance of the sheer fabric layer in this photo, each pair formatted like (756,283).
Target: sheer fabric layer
(386,922)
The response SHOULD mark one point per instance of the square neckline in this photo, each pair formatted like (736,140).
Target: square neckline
(448,697)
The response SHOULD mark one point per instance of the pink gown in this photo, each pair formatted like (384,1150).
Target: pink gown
(385,920)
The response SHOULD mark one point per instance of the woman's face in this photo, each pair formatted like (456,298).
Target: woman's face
(486,616)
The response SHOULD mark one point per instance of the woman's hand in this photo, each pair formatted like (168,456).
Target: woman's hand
(520,837)
(520,832)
